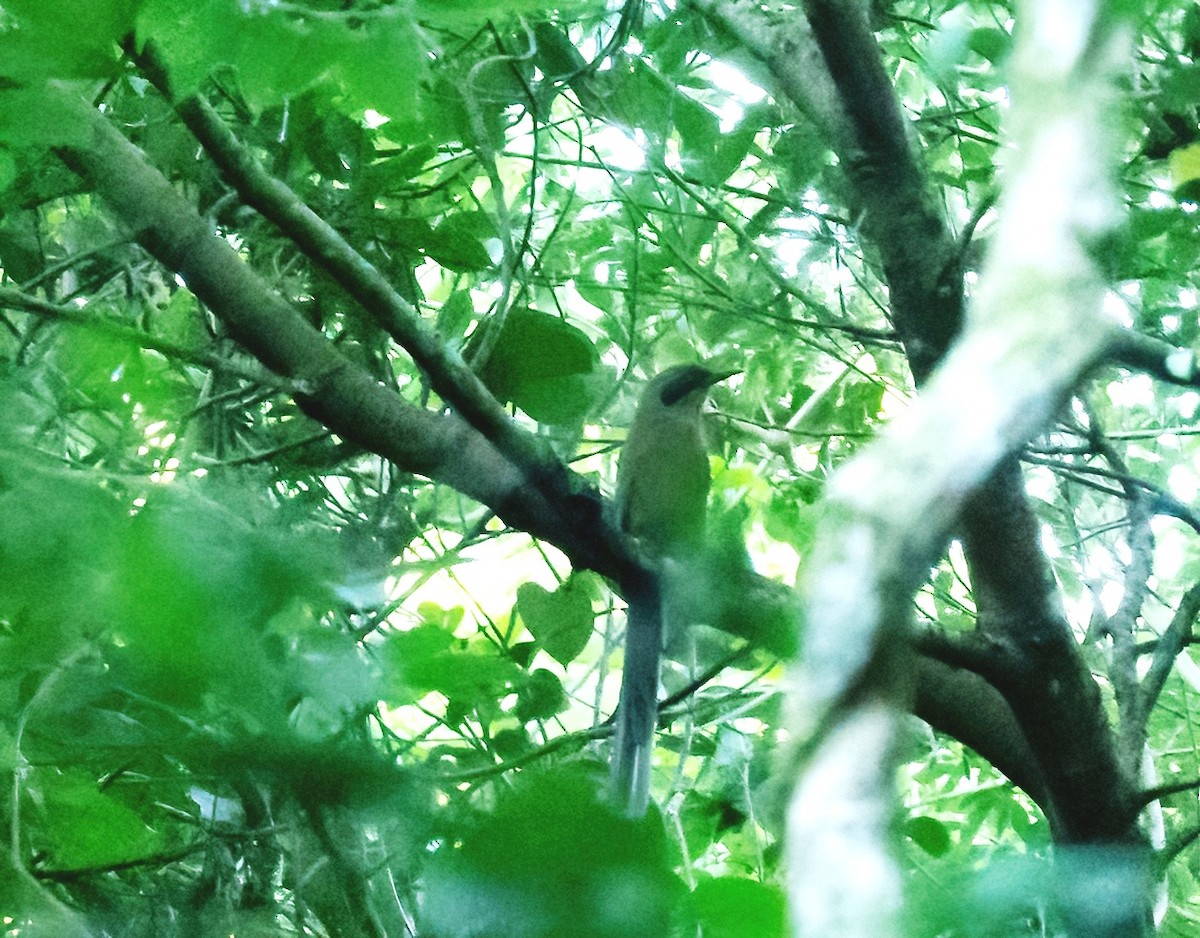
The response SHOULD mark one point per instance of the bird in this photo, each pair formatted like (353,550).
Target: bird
(661,501)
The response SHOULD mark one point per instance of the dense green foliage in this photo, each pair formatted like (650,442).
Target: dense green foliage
(261,676)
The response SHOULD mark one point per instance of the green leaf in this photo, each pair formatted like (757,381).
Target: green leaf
(561,621)
(700,819)
(699,131)
(180,320)
(347,772)
(191,36)
(408,163)
(930,834)
(9,759)
(541,697)
(38,119)
(800,151)
(511,743)
(8,168)
(730,907)
(1185,165)
(57,537)
(1181,88)
(329,668)
(789,519)
(860,404)
(196,585)
(433,614)
(429,658)
(22,244)
(278,55)
(64,39)
(991,42)
(462,13)
(413,233)
(457,242)
(455,315)
(557,56)
(85,827)
(642,91)
(35,906)
(1191,31)
(553,859)
(545,366)
(357,52)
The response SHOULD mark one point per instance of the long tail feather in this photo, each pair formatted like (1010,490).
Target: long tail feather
(637,716)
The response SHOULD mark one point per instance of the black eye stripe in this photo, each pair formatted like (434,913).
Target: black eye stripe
(684,384)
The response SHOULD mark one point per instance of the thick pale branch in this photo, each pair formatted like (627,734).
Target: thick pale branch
(844,88)
(1037,330)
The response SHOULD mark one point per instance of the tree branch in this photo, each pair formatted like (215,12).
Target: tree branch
(593,544)
(249,369)
(1037,331)
(448,374)
(1155,357)
(965,706)
(1169,647)
(332,389)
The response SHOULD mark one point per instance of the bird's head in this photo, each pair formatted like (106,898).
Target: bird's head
(683,386)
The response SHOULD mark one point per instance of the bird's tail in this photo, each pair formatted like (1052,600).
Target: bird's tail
(637,715)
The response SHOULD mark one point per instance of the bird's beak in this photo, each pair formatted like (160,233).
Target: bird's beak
(716,377)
